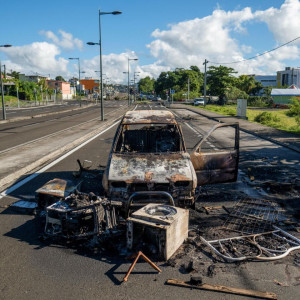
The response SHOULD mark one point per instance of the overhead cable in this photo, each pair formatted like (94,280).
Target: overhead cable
(253,57)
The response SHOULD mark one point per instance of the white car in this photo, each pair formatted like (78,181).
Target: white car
(199,101)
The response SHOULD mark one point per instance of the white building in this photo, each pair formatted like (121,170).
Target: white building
(288,77)
(266,80)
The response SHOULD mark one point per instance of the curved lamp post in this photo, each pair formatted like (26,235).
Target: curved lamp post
(100,50)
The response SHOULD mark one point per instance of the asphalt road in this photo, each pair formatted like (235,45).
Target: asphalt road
(26,130)
(31,111)
(32,269)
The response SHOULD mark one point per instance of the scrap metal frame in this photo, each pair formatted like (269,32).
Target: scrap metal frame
(269,254)
(50,220)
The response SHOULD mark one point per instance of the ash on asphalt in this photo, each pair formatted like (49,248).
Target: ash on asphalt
(194,257)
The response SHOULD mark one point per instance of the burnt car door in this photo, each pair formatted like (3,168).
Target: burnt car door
(218,164)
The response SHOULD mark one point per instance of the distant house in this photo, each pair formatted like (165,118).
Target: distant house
(90,85)
(285,96)
(33,78)
(9,80)
(61,87)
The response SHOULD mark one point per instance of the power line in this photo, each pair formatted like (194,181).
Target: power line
(253,57)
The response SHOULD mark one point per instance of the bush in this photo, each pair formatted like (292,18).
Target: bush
(294,110)
(266,118)
(257,101)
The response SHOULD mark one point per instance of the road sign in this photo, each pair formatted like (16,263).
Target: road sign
(172,91)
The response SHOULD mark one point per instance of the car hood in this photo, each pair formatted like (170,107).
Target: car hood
(162,168)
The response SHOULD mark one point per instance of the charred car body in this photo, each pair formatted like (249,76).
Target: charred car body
(149,160)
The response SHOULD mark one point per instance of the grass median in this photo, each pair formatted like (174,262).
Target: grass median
(272,118)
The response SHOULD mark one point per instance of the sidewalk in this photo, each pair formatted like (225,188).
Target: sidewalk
(286,139)
(20,161)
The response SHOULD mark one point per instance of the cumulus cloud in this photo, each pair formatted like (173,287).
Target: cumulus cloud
(188,43)
(38,57)
(113,66)
(284,23)
(65,41)
(214,38)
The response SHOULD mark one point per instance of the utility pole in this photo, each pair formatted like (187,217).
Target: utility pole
(188,93)
(205,63)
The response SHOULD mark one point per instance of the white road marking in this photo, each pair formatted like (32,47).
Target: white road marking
(199,134)
(29,178)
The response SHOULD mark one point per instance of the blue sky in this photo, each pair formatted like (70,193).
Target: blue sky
(163,34)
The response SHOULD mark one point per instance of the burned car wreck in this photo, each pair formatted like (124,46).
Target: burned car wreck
(148,165)
(149,155)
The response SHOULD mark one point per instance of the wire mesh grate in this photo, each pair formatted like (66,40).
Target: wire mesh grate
(251,216)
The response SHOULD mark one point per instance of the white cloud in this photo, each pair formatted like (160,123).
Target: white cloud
(152,70)
(190,42)
(284,23)
(40,57)
(214,37)
(66,41)
(113,66)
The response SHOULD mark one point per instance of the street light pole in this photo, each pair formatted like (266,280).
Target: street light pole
(129,59)
(134,84)
(2,90)
(101,75)
(100,58)
(77,58)
(99,82)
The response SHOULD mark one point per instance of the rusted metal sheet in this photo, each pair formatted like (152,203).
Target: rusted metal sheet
(149,116)
(218,166)
(57,187)
(215,167)
(163,168)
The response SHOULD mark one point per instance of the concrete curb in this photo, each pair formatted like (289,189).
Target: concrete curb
(291,147)
(15,176)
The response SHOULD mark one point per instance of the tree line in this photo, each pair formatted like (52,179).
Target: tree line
(221,82)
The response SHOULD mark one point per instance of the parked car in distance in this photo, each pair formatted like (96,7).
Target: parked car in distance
(199,101)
